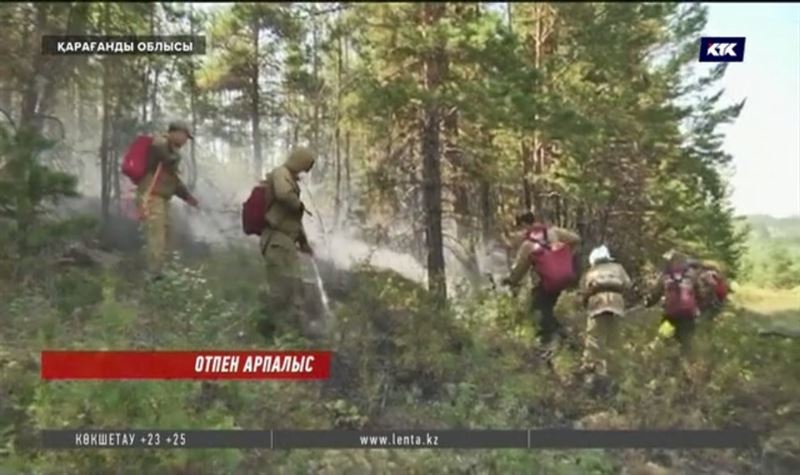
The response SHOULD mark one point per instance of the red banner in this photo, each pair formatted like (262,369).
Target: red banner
(191,365)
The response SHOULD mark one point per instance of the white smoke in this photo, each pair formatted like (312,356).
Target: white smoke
(225,179)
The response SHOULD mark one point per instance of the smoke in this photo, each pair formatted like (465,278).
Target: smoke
(344,250)
(225,179)
(345,247)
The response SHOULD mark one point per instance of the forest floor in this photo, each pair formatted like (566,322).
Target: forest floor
(399,363)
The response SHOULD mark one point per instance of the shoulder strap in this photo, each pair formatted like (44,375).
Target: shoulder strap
(539,228)
(681,276)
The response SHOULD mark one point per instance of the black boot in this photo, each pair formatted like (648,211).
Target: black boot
(155,277)
(267,328)
(598,385)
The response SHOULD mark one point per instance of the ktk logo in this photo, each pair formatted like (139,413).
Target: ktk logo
(721,50)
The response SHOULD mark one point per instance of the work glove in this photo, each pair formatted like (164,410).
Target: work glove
(666,330)
(306,248)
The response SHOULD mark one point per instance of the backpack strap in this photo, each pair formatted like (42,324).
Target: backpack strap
(545,242)
(681,276)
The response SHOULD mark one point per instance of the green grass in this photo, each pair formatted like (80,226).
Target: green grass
(767,301)
(404,365)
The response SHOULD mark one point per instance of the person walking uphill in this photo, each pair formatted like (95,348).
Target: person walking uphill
(160,183)
(548,252)
(678,285)
(283,237)
(713,289)
(603,288)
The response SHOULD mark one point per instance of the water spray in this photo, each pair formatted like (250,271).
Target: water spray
(319,218)
(317,276)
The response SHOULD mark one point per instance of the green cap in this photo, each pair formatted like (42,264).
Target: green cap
(180,125)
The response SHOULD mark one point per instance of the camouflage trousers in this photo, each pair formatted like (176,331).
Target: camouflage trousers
(285,292)
(602,339)
(156,227)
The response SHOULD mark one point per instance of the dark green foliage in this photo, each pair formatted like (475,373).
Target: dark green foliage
(400,363)
(28,189)
(74,290)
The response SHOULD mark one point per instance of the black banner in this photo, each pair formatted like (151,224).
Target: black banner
(400,439)
(136,45)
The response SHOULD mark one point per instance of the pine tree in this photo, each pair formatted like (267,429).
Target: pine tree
(27,189)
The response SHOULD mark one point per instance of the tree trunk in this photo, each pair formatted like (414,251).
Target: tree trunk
(75,108)
(535,150)
(145,92)
(320,168)
(6,97)
(337,134)
(485,199)
(105,178)
(537,186)
(542,32)
(487,211)
(192,146)
(431,163)
(30,96)
(287,136)
(255,112)
(82,128)
(347,183)
(460,180)
(155,113)
(193,104)
(526,170)
(114,154)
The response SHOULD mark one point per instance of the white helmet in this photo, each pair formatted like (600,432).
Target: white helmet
(598,254)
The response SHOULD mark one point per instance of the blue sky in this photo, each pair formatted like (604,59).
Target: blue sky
(765,140)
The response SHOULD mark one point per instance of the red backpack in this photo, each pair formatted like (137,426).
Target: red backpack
(680,300)
(720,287)
(254,209)
(554,264)
(134,165)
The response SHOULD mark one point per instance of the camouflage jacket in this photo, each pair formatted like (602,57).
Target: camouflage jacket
(599,299)
(168,183)
(285,215)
